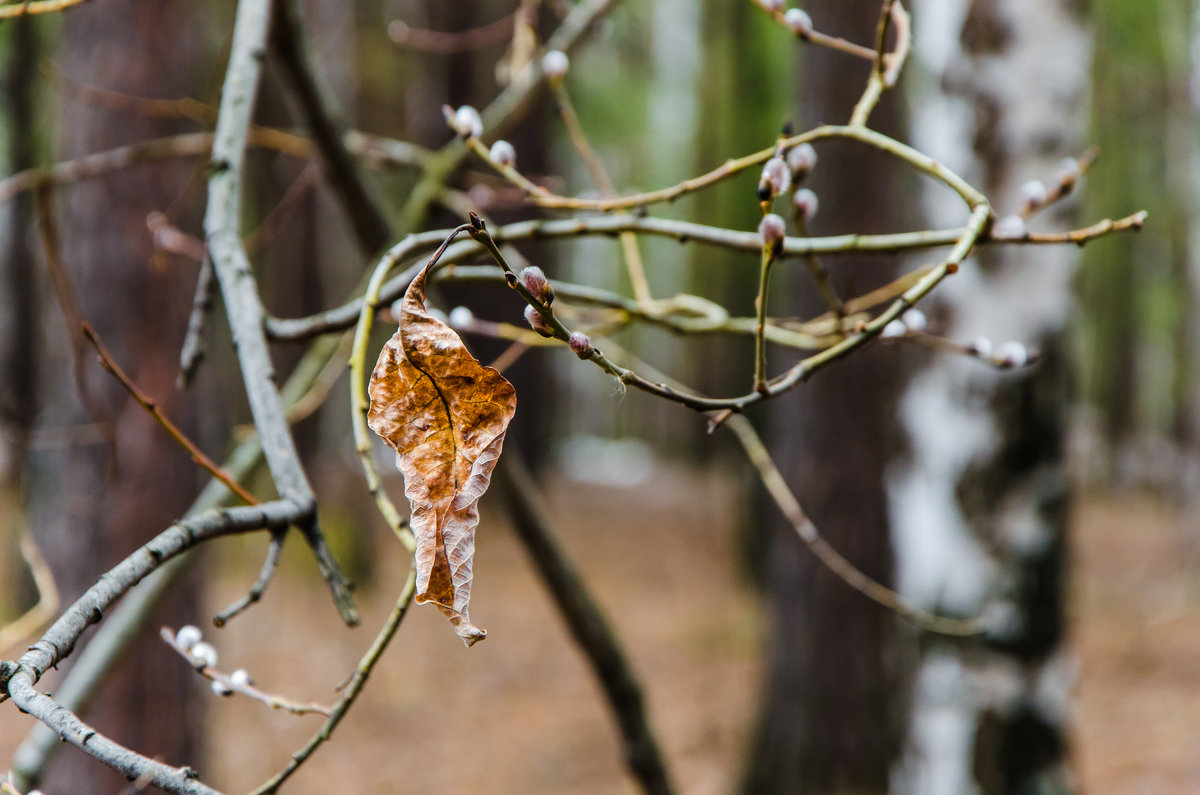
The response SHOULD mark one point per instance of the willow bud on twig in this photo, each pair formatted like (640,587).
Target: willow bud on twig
(807,204)
(581,344)
(801,159)
(914,320)
(980,346)
(773,230)
(1012,354)
(503,153)
(799,21)
(1009,226)
(775,179)
(555,64)
(203,654)
(537,322)
(460,317)
(187,637)
(467,122)
(535,281)
(1034,194)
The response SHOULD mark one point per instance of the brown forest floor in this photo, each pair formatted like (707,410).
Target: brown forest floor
(520,713)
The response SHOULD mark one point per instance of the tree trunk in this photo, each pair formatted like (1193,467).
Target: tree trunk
(830,720)
(93,502)
(980,502)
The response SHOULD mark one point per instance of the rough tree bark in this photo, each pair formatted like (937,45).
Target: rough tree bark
(980,501)
(829,720)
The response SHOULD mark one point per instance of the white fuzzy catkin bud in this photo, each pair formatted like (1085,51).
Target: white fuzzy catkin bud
(555,63)
(581,344)
(1009,226)
(776,176)
(204,654)
(773,229)
(1012,354)
(801,159)
(460,317)
(220,688)
(914,320)
(503,153)
(537,322)
(241,678)
(895,328)
(981,347)
(806,203)
(799,21)
(1034,193)
(774,5)
(467,122)
(1068,170)
(537,284)
(187,637)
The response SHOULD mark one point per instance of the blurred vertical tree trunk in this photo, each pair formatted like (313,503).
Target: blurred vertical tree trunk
(980,502)
(829,720)
(94,502)
(18,318)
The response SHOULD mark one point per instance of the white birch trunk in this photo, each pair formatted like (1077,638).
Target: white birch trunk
(978,505)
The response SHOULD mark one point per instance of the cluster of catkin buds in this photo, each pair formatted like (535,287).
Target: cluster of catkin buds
(911,322)
(538,286)
(784,172)
(203,656)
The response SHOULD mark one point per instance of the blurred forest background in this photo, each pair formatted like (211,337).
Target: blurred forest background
(1063,493)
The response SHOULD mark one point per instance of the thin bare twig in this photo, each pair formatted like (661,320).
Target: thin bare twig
(31,7)
(18,679)
(137,607)
(599,174)
(234,684)
(150,405)
(846,571)
(46,607)
(370,226)
(68,303)
(443,43)
(192,352)
(818,38)
(516,98)
(351,691)
(252,597)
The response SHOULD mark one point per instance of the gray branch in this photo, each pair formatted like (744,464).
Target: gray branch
(19,678)
(346,315)
(242,302)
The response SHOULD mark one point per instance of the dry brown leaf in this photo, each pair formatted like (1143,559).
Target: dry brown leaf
(445,415)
